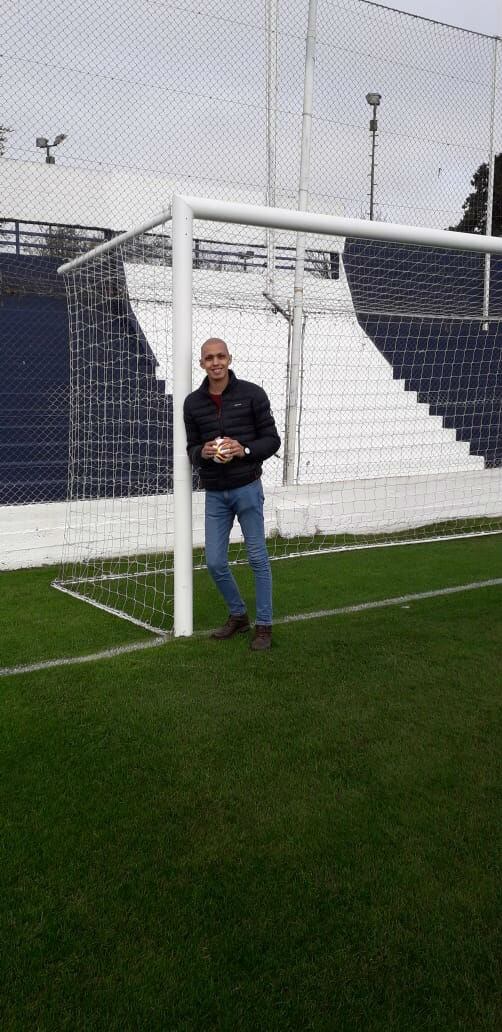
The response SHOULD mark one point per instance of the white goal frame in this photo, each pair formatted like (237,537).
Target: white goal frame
(182,213)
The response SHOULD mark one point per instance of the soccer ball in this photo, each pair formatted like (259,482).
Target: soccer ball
(220,454)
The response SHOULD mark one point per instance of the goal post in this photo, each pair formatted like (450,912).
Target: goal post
(368,317)
(184,211)
(182,237)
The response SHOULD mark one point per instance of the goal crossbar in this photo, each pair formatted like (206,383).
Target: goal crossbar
(209,210)
(182,213)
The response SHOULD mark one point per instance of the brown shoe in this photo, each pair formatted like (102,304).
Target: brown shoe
(234,625)
(262,638)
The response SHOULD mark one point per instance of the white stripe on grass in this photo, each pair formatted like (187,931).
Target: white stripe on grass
(400,601)
(319,614)
(119,650)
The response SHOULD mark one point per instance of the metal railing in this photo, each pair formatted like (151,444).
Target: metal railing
(58,240)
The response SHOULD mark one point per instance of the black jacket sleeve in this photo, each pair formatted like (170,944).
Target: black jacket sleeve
(194,440)
(267,441)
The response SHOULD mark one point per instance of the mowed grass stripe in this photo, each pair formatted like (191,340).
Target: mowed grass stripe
(138,646)
(195,840)
(38,623)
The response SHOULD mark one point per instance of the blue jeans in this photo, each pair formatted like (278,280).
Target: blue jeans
(221,509)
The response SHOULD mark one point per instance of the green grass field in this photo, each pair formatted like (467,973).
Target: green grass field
(196,837)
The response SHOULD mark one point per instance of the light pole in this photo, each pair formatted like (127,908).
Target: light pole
(373,100)
(43,142)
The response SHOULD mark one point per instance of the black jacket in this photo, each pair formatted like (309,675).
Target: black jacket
(246,416)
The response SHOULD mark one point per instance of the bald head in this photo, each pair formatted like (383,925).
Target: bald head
(215,342)
(215,359)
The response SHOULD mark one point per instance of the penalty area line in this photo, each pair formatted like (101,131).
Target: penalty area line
(382,603)
(162,639)
(387,602)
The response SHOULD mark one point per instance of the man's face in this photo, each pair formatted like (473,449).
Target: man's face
(215,359)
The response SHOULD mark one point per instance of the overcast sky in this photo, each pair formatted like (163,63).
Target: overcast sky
(176,89)
(477,15)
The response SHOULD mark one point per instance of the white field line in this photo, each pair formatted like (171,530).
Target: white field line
(119,650)
(162,639)
(383,603)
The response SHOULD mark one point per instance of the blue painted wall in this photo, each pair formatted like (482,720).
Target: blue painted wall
(34,381)
(35,395)
(453,364)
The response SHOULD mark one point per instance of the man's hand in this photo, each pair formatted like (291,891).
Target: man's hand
(209,450)
(232,448)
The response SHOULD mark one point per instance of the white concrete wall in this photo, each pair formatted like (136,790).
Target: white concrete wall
(34,535)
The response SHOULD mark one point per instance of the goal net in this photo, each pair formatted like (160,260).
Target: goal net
(385,386)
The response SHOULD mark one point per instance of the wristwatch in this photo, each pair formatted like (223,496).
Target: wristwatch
(247,451)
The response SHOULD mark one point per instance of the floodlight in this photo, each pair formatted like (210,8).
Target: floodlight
(43,142)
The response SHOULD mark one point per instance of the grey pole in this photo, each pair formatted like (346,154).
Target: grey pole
(491,181)
(303,194)
(271,32)
(373,100)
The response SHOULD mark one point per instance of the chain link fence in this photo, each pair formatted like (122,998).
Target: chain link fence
(110,105)
(151,90)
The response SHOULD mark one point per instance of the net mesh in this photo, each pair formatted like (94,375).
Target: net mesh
(398,433)
(132,100)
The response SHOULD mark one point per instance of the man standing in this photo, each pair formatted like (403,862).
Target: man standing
(230,431)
